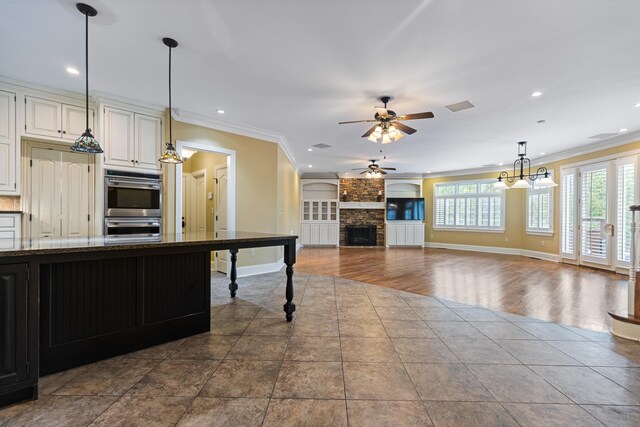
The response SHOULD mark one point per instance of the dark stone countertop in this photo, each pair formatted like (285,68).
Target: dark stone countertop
(49,246)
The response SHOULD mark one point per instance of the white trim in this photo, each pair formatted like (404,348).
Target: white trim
(231,184)
(238,129)
(625,330)
(540,233)
(473,230)
(494,250)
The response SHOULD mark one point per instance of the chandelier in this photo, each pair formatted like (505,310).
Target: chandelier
(385,133)
(522,162)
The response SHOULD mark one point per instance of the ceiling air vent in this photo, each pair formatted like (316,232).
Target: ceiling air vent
(321,146)
(464,105)
(602,135)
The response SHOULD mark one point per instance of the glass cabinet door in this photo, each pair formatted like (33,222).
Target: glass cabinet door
(334,211)
(324,211)
(314,208)
(306,213)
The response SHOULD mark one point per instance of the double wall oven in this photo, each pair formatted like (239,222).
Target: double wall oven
(132,205)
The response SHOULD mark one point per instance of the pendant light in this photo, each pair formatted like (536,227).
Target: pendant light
(170,155)
(86,143)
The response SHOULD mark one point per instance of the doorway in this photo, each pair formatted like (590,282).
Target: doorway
(595,216)
(217,183)
(61,183)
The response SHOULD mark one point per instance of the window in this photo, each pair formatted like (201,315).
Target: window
(625,197)
(568,197)
(468,206)
(539,209)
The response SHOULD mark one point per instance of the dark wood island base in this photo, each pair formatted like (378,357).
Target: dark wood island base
(70,302)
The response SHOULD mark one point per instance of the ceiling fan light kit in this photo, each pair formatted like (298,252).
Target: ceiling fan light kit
(373,170)
(389,128)
(522,179)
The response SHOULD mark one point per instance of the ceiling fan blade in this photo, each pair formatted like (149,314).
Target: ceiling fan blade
(363,172)
(381,171)
(357,121)
(404,128)
(360,169)
(369,132)
(388,169)
(416,116)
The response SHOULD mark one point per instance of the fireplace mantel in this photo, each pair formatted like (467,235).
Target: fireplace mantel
(362,205)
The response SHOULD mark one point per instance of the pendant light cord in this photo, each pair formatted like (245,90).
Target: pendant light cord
(86,66)
(170,130)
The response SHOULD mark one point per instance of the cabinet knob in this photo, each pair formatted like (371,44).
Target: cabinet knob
(59,131)
(133,161)
(64,131)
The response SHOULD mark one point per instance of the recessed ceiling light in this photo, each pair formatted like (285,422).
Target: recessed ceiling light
(624,130)
(73,71)
(500,164)
(536,93)
(428,171)
(310,166)
(637,105)
(542,154)
(309,149)
(220,111)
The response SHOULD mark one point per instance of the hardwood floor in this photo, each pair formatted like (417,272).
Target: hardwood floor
(561,293)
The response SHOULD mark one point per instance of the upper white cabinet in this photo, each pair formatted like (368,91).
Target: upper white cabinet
(53,119)
(8,159)
(131,139)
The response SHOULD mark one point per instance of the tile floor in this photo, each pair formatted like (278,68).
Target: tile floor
(357,355)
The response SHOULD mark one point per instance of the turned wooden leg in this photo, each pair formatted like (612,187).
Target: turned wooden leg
(289,260)
(233,286)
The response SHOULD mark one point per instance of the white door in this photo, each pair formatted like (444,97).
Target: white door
(74,121)
(118,137)
(45,193)
(221,214)
(43,117)
(201,203)
(595,224)
(7,141)
(60,194)
(148,141)
(74,191)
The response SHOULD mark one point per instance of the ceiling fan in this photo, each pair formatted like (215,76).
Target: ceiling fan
(373,169)
(389,128)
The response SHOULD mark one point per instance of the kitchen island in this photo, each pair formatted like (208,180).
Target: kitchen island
(69,302)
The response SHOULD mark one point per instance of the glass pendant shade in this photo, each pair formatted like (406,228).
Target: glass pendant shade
(86,143)
(378,129)
(399,135)
(372,138)
(500,185)
(386,139)
(521,183)
(546,182)
(170,155)
(376,135)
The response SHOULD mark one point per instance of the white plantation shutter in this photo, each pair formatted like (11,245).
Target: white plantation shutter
(593,212)
(468,206)
(568,213)
(539,209)
(625,197)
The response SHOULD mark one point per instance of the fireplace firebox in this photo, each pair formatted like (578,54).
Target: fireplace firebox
(360,235)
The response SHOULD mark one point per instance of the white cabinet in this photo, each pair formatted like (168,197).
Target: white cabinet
(9,230)
(319,222)
(319,234)
(405,234)
(8,158)
(55,119)
(131,139)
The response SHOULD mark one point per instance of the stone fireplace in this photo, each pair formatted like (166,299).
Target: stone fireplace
(359,219)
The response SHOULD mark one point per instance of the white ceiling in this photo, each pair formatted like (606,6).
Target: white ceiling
(299,67)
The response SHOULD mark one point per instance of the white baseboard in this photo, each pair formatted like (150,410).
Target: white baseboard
(494,250)
(251,270)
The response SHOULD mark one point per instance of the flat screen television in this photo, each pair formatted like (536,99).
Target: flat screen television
(405,209)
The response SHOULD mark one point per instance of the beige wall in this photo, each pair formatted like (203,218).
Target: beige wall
(515,203)
(259,169)
(288,198)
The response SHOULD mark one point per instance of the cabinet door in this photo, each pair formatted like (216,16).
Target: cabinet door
(7,142)
(419,234)
(334,211)
(118,137)
(324,234)
(401,234)
(74,121)
(148,141)
(315,206)
(305,234)
(306,211)
(410,235)
(391,235)
(324,211)
(75,178)
(315,234)
(13,323)
(43,117)
(333,234)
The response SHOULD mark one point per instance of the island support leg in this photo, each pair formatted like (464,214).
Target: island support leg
(233,274)
(289,260)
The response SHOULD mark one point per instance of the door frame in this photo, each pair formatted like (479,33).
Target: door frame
(27,145)
(216,168)
(231,180)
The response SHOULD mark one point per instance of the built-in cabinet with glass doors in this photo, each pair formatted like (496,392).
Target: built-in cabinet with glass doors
(319,217)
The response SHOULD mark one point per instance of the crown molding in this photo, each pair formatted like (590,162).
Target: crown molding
(612,142)
(238,129)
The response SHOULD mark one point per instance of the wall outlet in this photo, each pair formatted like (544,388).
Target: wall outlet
(252,252)
(506,239)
